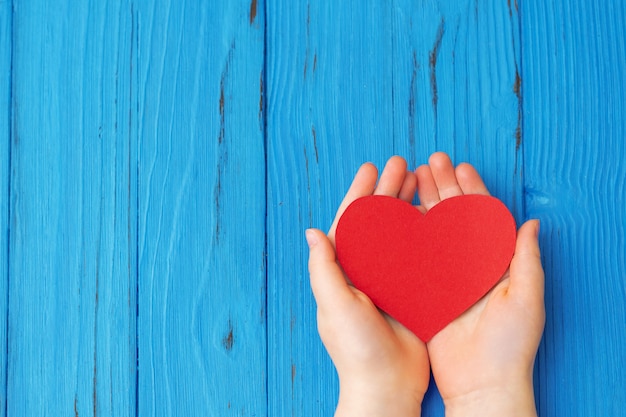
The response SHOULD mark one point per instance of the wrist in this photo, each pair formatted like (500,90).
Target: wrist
(371,402)
(509,400)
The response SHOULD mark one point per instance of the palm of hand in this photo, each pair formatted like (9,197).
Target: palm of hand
(368,345)
(482,348)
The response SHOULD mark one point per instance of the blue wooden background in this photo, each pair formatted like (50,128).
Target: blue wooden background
(159,162)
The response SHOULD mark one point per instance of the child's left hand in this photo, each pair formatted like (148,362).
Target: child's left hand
(380,363)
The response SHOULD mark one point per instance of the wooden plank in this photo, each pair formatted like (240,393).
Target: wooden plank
(71,347)
(574,56)
(202,344)
(349,84)
(328,79)
(6,28)
(457,88)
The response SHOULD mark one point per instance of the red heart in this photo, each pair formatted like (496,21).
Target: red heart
(425,270)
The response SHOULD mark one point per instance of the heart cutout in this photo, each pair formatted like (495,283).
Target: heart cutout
(425,270)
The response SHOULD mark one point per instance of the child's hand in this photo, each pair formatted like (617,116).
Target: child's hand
(482,361)
(383,368)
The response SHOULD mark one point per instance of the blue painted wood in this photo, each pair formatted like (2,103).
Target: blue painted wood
(72,301)
(6,27)
(349,84)
(575,182)
(457,88)
(154,157)
(202,317)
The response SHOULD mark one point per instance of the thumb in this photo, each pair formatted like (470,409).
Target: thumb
(526,272)
(327,279)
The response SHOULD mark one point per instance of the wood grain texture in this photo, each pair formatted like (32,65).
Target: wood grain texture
(575,182)
(71,347)
(456,88)
(328,77)
(160,161)
(350,84)
(6,29)
(201,335)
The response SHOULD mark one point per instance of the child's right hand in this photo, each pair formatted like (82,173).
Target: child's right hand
(383,367)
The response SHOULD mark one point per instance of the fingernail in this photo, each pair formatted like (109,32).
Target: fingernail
(537,228)
(311,239)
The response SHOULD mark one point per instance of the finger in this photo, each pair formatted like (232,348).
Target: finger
(526,272)
(469,180)
(363,184)
(327,280)
(426,188)
(392,178)
(444,175)
(407,192)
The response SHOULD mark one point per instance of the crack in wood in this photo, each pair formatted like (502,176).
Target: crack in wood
(229,340)
(432,63)
(253,6)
